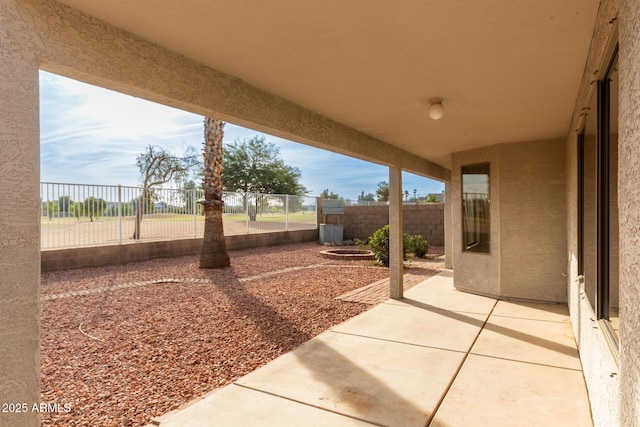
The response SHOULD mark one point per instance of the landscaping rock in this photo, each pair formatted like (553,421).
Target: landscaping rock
(121,355)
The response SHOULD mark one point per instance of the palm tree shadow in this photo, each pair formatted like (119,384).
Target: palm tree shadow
(268,321)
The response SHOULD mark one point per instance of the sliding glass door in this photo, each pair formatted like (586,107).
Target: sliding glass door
(598,202)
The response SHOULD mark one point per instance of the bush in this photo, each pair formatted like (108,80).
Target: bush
(379,243)
(418,246)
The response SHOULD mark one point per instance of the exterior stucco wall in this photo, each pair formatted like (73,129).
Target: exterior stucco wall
(533,220)
(629,211)
(476,272)
(19,221)
(604,376)
(528,222)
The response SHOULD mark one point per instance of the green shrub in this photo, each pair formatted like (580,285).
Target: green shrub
(379,243)
(418,246)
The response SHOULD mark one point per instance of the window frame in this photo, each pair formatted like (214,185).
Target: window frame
(603,192)
(479,245)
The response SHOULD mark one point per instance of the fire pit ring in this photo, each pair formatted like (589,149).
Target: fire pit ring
(347,254)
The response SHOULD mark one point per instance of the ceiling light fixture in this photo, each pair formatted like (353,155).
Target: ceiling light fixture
(436,110)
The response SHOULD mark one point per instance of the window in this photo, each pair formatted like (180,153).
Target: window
(598,202)
(475,208)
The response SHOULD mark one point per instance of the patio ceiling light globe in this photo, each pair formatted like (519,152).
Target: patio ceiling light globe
(436,110)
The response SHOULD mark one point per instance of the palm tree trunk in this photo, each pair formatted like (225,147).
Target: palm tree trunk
(214,247)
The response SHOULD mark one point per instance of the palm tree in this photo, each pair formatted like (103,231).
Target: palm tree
(214,247)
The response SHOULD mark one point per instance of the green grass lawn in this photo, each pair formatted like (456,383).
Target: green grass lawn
(55,222)
(274,217)
(168,217)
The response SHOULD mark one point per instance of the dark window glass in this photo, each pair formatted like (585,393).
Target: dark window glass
(611,311)
(590,201)
(475,208)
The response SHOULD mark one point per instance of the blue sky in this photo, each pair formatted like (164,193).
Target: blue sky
(91,135)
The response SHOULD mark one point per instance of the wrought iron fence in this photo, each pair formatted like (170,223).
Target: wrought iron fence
(85,215)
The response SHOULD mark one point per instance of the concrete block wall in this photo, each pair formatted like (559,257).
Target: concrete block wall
(361,221)
(98,256)
(427,220)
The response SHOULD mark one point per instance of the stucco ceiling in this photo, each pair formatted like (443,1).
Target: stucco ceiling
(506,70)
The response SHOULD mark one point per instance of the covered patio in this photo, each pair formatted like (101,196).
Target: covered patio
(538,149)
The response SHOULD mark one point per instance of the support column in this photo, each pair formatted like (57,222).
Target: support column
(396,259)
(448,239)
(19,218)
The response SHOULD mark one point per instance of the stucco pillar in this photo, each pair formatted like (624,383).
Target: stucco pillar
(19,218)
(448,240)
(396,261)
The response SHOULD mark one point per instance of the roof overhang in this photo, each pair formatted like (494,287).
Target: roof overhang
(506,71)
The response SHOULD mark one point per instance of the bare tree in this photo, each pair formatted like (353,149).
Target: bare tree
(158,166)
(214,247)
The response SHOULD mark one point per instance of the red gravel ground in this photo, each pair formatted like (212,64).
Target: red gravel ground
(120,356)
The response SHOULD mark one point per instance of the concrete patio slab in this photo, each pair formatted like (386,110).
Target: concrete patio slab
(378,381)
(440,293)
(408,363)
(535,341)
(533,310)
(417,323)
(239,406)
(503,393)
